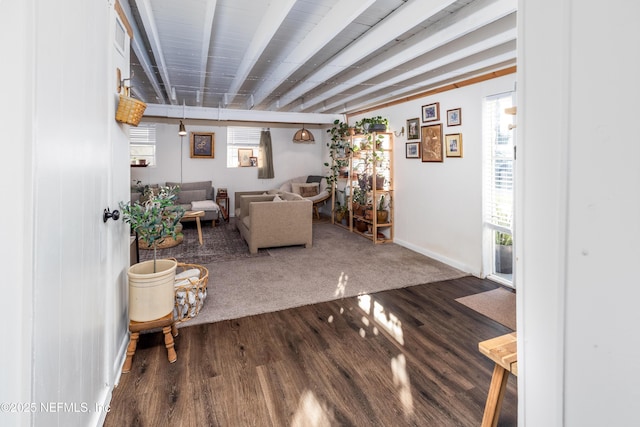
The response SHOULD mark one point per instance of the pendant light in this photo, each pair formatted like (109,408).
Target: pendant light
(181,130)
(304,136)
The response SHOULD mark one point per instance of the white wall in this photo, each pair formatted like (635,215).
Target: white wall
(438,206)
(578,213)
(290,160)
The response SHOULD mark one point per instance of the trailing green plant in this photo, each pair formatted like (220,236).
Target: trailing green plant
(155,217)
(366,122)
(337,147)
(359,196)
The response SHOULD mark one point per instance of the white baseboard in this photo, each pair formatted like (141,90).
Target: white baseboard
(450,262)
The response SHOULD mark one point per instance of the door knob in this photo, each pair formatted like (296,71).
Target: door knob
(108,214)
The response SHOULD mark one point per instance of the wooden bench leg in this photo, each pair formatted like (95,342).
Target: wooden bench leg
(131,350)
(168,342)
(494,397)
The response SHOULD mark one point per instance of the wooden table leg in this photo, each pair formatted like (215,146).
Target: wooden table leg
(199,229)
(168,342)
(131,350)
(494,397)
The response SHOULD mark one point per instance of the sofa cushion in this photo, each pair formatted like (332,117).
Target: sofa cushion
(298,187)
(188,196)
(277,198)
(286,187)
(290,196)
(246,221)
(198,185)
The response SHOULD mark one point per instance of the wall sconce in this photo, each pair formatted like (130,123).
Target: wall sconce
(401,133)
(304,136)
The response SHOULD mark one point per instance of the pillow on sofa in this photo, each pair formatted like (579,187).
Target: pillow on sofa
(185,197)
(298,188)
(309,191)
(314,178)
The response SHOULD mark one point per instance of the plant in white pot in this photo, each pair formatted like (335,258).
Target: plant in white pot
(154,218)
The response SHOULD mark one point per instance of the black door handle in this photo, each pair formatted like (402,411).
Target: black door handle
(108,214)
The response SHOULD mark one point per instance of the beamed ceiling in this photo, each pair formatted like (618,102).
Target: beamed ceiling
(308,60)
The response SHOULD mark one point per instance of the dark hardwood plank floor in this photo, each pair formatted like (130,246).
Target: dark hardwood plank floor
(406,357)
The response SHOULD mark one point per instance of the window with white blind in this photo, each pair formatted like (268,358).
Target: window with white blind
(142,143)
(241,137)
(498,184)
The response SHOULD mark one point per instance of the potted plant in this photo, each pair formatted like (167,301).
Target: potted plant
(504,253)
(358,201)
(341,211)
(382,214)
(154,218)
(373,124)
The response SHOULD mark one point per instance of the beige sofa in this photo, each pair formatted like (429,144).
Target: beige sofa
(265,223)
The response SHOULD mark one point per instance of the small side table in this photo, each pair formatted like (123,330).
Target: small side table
(504,352)
(223,202)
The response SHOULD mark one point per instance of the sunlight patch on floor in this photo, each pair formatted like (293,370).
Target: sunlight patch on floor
(311,412)
(342,286)
(387,320)
(402,383)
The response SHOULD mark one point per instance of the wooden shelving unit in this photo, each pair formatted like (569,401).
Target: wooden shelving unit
(368,173)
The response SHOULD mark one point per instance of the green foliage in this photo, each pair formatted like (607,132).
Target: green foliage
(365,122)
(504,239)
(155,217)
(359,196)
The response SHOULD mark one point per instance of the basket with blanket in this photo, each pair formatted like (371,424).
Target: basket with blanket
(190,290)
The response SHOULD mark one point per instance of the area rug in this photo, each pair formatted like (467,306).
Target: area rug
(498,304)
(220,243)
(339,264)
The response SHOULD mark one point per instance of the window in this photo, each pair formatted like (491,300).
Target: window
(498,183)
(241,137)
(142,144)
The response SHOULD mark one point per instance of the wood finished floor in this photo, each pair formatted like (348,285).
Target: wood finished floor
(406,357)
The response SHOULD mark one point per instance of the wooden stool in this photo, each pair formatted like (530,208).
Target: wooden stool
(503,351)
(169,330)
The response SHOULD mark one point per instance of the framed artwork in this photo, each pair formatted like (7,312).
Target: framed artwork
(454,117)
(202,145)
(432,143)
(244,156)
(253,161)
(431,112)
(453,142)
(413,128)
(412,150)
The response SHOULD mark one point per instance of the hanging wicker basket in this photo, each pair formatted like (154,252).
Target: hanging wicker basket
(130,110)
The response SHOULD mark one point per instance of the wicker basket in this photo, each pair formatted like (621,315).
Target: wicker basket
(130,110)
(189,298)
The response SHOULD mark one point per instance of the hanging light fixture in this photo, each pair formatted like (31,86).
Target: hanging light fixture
(304,136)
(181,130)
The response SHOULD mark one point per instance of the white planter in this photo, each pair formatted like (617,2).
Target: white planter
(151,294)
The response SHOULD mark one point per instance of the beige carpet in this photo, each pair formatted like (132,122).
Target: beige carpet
(498,304)
(340,264)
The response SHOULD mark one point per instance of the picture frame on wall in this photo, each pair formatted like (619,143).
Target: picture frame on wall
(202,145)
(453,144)
(431,142)
(454,117)
(412,150)
(431,112)
(253,161)
(244,157)
(413,128)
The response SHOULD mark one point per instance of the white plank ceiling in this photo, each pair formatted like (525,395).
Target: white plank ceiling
(306,59)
